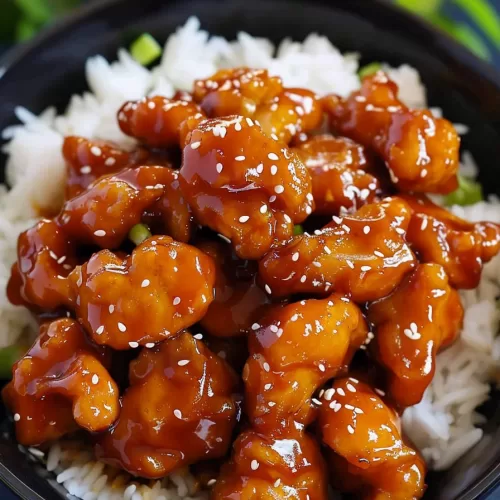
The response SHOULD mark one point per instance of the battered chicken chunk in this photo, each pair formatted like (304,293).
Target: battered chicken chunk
(423,315)
(461,247)
(178,409)
(273,467)
(340,171)
(421,151)
(156,121)
(364,255)
(293,352)
(60,385)
(368,455)
(160,289)
(244,185)
(239,302)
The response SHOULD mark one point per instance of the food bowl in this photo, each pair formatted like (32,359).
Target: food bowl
(50,69)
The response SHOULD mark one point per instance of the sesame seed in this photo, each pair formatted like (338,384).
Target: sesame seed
(237,126)
(274,169)
(211,482)
(378,254)
(400,230)
(303,278)
(95,379)
(176,301)
(341,391)
(317,264)
(62,259)
(198,336)
(255,326)
(271,404)
(267,387)
(365,268)
(150,345)
(321,367)
(423,173)
(349,263)
(195,145)
(279,189)
(260,168)
(349,407)
(274,136)
(366,229)
(96,151)
(295,317)
(337,220)
(110,162)
(277,482)
(268,289)
(85,170)
(424,224)
(316,402)
(17,417)
(295,256)
(111,308)
(273,156)
(100,330)
(359,411)
(272,198)
(183,362)
(240,158)
(100,233)
(178,413)
(249,122)
(273,328)
(327,250)
(145,283)
(263,209)
(254,465)
(329,393)
(151,105)
(351,388)
(266,366)
(244,218)
(122,327)
(219,167)
(380,392)
(350,429)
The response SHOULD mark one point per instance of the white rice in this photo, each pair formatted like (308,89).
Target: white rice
(443,425)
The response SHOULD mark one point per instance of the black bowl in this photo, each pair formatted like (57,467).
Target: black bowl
(50,69)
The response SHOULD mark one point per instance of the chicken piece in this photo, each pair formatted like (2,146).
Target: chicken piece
(45,256)
(271,467)
(244,185)
(421,151)
(60,385)
(340,171)
(239,301)
(423,315)
(290,114)
(293,352)
(106,211)
(178,409)
(88,160)
(363,255)
(159,290)
(461,247)
(237,91)
(368,455)
(156,121)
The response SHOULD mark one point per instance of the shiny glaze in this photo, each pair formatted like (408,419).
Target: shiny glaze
(161,288)
(421,151)
(156,121)
(268,467)
(239,302)
(178,409)
(368,455)
(423,315)
(60,385)
(364,255)
(244,185)
(293,351)
(461,247)
(340,172)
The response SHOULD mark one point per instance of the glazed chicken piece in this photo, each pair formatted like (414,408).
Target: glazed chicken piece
(293,352)
(60,385)
(178,410)
(421,151)
(157,121)
(160,289)
(244,185)
(239,302)
(45,256)
(88,160)
(422,316)
(368,456)
(461,247)
(271,467)
(105,212)
(282,113)
(340,171)
(363,255)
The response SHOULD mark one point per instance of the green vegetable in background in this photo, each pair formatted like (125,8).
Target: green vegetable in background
(139,233)
(145,49)
(369,69)
(8,356)
(468,193)
(298,229)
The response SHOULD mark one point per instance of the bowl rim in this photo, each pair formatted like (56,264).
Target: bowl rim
(454,51)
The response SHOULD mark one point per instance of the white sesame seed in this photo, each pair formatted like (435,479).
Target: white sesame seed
(100,330)
(273,328)
(271,404)
(183,362)
(240,158)
(295,317)
(424,224)
(329,393)
(341,391)
(317,264)
(176,301)
(178,413)
(244,218)
(273,156)
(110,162)
(62,259)
(380,392)
(365,269)
(254,465)
(85,170)
(198,336)
(400,230)
(303,278)
(219,167)
(274,136)
(263,209)
(349,263)
(150,345)
(211,482)
(255,326)
(274,169)
(268,289)
(95,379)
(195,145)
(316,402)
(122,327)
(96,151)
(278,189)
(366,229)
(327,250)
(145,283)
(111,308)
(337,220)
(321,367)
(260,168)
(423,173)
(267,387)
(350,429)
(17,417)
(378,254)
(151,105)
(295,256)
(272,198)
(266,366)
(349,407)
(100,233)
(351,388)
(359,411)
(249,121)
(277,482)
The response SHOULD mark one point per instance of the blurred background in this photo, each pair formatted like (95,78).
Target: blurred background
(474,23)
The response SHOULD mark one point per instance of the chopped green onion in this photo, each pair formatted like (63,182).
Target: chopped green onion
(485,15)
(37,11)
(421,7)
(145,49)
(468,193)
(298,229)
(369,69)
(26,29)
(465,34)
(139,233)
(8,356)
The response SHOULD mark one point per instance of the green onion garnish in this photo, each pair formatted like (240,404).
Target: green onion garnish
(145,49)
(485,16)
(139,233)
(369,69)
(8,356)
(468,193)
(298,229)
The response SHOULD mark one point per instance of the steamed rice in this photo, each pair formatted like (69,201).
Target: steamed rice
(444,425)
